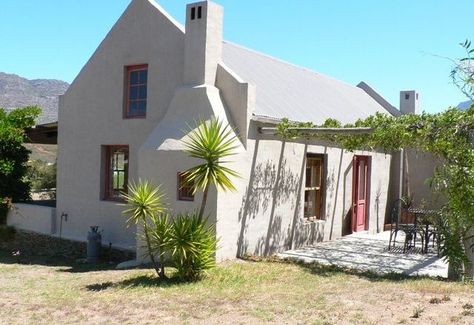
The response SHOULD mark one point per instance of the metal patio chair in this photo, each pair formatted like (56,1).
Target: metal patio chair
(409,229)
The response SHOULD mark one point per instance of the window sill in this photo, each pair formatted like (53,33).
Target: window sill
(312,220)
(185,200)
(134,117)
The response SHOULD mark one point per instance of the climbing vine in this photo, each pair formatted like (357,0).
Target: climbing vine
(448,135)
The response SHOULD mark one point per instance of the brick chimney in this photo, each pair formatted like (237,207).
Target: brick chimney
(203,42)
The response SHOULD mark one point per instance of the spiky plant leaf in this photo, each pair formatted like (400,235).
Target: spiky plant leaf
(211,141)
(193,245)
(143,201)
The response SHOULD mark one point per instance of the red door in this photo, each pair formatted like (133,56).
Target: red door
(360,192)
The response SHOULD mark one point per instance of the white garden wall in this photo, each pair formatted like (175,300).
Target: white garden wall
(34,218)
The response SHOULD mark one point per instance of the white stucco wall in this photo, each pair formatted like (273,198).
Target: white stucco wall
(265,215)
(161,157)
(34,218)
(239,97)
(91,115)
(418,168)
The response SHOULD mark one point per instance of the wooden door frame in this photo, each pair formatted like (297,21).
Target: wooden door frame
(355,190)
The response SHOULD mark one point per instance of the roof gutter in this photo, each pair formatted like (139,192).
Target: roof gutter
(266,119)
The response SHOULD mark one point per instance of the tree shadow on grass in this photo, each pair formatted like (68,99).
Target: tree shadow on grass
(68,256)
(334,270)
(331,270)
(64,264)
(141,281)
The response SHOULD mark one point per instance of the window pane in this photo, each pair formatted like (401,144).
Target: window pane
(308,176)
(142,92)
(134,93)
(132,109)
(120,160)
(310,204)
(317,173)
(313,172)
(134,77)
(118,180)
(141,109)
(361,180)
(143,76)
(118,171)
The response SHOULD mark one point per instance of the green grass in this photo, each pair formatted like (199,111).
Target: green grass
(237,292)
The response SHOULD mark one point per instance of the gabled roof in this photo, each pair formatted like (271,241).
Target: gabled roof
(287,90)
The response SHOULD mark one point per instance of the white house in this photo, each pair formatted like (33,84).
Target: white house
(123,119)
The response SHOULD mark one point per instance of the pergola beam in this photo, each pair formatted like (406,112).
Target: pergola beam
(319,130)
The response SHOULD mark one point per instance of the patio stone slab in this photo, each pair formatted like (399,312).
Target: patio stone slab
(366,252)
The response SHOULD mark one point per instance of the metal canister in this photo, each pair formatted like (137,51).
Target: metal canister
(94,244)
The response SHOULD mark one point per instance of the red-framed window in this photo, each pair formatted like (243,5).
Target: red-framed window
(185,190)
(116,172)
(136,91)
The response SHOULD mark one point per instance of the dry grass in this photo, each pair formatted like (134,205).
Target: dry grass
(238,292)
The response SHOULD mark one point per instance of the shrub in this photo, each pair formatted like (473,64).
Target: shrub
(42,175)
(192,245)
(159,233)
(7,233)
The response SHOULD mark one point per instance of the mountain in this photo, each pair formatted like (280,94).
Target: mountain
(16,91)
(465,105)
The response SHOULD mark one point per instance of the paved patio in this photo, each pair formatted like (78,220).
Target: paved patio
(369,253)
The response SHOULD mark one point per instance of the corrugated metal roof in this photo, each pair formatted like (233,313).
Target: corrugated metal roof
(286,90)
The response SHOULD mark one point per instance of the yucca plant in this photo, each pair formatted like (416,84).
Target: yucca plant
(192,245)
(145,204)
(159,234)
(210,141)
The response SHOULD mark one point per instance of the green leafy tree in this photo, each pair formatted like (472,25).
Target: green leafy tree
(13,155)
(211,142)
(42,176)
(144,207)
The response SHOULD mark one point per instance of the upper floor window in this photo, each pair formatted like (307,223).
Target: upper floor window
(136,91)
(116,172)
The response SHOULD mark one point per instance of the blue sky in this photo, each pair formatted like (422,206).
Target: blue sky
(392,45)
